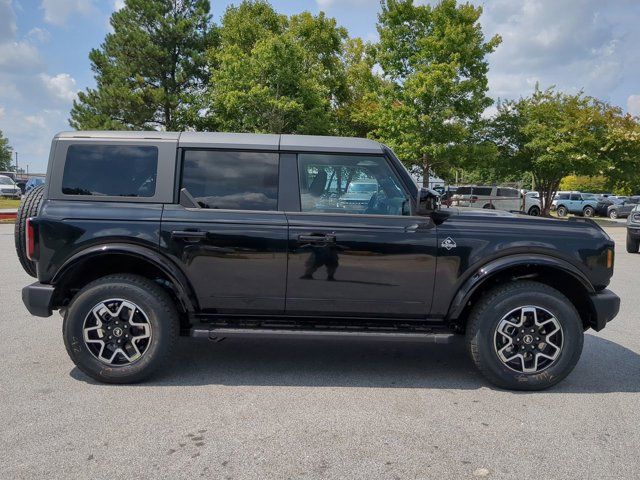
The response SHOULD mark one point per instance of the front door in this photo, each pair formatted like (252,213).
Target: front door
(354,247)
(233,248)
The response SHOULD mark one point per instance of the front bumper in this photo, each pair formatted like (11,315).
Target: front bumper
(38,297)
(606,305)
(634,232)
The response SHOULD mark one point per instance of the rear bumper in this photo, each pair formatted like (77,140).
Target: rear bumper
(606,305)
(38,297)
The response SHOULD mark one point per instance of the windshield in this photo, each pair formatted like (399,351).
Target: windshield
(6,181)
(363,187)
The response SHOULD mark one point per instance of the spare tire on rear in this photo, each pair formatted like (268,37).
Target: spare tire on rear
(28,208)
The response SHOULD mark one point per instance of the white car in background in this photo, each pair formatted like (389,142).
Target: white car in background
(497,198)
(8,188)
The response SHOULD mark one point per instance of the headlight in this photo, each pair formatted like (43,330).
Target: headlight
(635,217)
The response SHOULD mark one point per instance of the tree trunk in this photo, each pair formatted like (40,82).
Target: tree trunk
(426,167)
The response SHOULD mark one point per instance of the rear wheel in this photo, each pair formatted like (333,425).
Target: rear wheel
(534,211)
(588,211)
(489,206)
(525,336)
(632,244)
(613,213)
(562,211)
(120,328)
(28,208)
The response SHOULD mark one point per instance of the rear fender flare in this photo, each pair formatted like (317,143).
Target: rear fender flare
(179,280)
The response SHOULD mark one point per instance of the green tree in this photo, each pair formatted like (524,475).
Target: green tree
(285,75)
(358,113)
(552,135)
(583,183)
(150,70)
(435,60)
(6,153)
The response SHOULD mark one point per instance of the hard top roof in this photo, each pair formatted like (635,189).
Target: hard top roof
(244,141)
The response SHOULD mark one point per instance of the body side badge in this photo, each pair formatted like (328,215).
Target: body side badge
(448,243)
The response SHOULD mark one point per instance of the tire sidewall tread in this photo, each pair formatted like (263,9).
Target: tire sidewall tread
(498,302)
(161,313)
(28,208)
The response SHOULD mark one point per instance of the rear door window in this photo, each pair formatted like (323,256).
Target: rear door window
(232,180)
(110,170)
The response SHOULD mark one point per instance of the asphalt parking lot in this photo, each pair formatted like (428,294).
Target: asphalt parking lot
(295,409)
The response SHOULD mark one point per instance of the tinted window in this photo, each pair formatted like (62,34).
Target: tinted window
(575,196)
(232,180)
(111,170)
(562,196)
(463,191)
(508,192)
(485,191)
(350,184)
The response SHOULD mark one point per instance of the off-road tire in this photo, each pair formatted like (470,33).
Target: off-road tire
(534,211)
(158,307)
(28,208)
(498,302)
(632,244)
(562,211)
(588,212)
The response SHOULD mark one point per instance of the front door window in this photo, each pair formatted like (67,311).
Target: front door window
(350,184)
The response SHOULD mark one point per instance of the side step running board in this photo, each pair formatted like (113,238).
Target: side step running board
(221,333)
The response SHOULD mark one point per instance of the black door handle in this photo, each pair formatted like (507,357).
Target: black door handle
(188,235)
(317,238)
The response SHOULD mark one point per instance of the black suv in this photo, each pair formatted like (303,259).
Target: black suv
(138,237)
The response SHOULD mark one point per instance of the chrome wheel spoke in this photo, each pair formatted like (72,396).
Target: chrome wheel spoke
(528,339)
(117,332)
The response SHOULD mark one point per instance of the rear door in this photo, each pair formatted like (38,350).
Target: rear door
(374,260)
(233,248)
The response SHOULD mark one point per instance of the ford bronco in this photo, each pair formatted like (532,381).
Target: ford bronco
(139,237)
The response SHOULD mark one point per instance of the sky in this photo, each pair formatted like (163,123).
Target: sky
(588,45)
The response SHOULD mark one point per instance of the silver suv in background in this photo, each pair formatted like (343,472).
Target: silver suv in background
(8,188)
(496,198)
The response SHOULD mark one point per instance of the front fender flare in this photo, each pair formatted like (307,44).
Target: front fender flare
(165,265)
(495,266)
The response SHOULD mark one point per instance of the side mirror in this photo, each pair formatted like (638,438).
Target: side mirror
(428,201)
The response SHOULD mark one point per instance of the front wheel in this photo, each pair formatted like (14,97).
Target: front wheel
(632,244)
(613,214)
(588,212)
(562,211)
(120,328)
(534,211)
(524,336)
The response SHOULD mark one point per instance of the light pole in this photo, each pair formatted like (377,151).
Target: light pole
(16,163)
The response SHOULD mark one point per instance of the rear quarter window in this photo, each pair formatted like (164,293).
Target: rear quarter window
(484,191)
(110,170)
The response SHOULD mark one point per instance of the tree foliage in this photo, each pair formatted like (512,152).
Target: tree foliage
(435,60)
(6,153)
(150,70)
(552,135)
(275,74)
(583,183)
